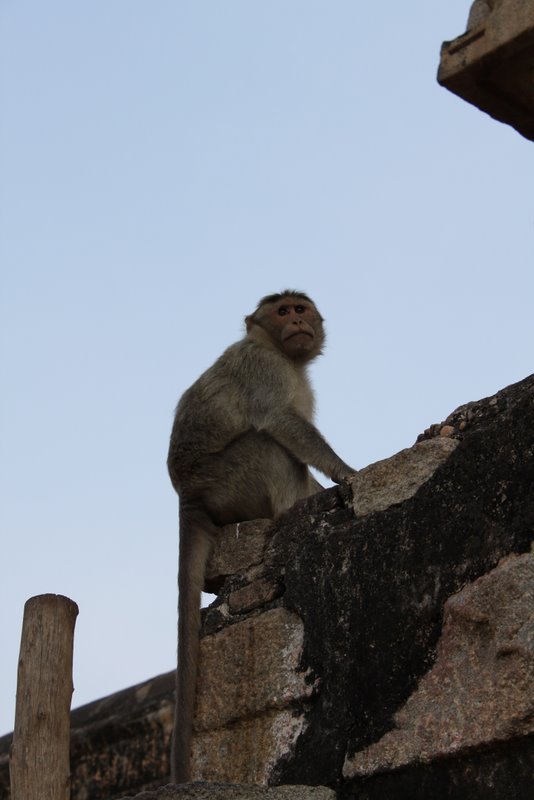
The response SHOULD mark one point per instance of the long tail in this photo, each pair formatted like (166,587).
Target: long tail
(196,541)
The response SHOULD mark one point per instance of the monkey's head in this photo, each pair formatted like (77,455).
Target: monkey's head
(289,321)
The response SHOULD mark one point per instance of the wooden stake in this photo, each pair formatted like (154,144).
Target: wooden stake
(39,760)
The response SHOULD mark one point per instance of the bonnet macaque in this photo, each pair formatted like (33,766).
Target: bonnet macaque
(241,444)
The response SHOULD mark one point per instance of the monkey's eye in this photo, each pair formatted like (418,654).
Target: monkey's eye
(300,309)
(282,311)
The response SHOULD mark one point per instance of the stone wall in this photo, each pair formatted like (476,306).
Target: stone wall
(378,639)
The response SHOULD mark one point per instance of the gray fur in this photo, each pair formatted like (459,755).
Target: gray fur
(242,440)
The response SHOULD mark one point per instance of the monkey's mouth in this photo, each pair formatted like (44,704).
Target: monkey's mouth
(298,333)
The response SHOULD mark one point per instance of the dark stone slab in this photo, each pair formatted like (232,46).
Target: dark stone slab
(500,773)
(371,591)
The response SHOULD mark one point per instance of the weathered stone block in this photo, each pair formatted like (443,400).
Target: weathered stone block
(236,549)
(247,752)
(492,64)
(396,479)
(249,683)
(481,689)
(249,668)
(253,596)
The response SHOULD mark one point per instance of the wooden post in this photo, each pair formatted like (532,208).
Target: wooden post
(39,760)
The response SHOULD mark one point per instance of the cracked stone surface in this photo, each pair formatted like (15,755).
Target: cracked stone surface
(481,688)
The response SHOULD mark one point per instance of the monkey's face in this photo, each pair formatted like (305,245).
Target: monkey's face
(295,326)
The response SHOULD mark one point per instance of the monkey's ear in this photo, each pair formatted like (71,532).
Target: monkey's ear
(249,322)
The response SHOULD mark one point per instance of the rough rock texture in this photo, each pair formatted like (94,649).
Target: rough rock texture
(370,591)
(479,12)
(368,569)
(395,479)
(492,64)
(238,548)
(225,791)
(260,658)
(125,738)
(329,649)
(481,688)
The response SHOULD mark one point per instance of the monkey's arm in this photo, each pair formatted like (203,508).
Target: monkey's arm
(303,439)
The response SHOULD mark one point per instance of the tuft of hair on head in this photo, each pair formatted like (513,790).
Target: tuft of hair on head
(274,298)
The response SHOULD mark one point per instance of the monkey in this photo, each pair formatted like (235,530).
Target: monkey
(240,447)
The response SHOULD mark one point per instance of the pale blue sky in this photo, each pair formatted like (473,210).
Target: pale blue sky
(163,165)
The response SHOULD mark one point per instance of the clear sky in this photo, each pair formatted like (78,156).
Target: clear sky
(163,165)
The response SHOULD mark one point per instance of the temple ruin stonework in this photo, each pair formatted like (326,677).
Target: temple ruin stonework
(377,640)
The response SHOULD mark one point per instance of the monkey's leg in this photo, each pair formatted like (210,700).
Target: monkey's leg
(196,540)
(255,478)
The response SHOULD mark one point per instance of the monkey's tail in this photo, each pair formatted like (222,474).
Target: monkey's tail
(197,533)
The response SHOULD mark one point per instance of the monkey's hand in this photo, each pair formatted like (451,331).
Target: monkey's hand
(344,472)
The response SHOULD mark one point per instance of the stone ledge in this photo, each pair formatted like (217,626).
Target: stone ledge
(396,479)
(225,791)
(492,65)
